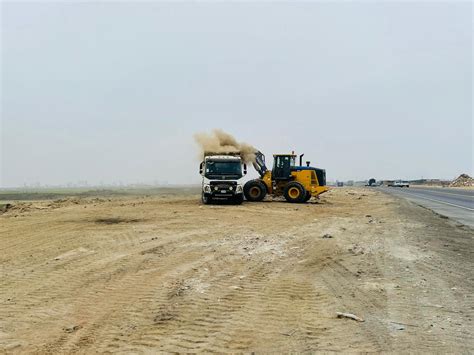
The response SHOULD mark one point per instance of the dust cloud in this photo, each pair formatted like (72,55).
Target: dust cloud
(219,141)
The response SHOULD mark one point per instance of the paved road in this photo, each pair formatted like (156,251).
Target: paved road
(457,204)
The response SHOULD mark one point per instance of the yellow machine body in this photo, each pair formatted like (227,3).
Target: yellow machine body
(307,178)
(297,183)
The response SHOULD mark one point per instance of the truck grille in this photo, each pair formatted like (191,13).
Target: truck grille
(223,185)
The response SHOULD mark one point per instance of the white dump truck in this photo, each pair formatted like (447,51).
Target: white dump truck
(222,177)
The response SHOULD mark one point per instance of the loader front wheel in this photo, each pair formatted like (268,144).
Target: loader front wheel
(255,190)
(294,192)
(307,197)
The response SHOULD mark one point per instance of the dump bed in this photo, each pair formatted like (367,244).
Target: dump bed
(233,154)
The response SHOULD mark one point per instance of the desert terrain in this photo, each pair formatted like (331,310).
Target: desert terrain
(162,272)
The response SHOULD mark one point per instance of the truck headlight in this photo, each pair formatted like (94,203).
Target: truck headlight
(207,188)
(239,189)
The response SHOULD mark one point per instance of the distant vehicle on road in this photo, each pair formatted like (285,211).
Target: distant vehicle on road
(400,183)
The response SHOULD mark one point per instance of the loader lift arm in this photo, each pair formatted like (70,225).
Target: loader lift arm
(259,163)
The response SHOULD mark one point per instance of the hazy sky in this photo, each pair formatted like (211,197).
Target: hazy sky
(115,91)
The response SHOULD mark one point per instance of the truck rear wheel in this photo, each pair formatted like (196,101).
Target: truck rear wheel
(255,190)
(294,192)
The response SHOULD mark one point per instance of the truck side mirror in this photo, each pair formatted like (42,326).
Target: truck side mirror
(200,167)
(245,169)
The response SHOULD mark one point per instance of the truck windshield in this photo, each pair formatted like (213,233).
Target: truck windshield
(220,169)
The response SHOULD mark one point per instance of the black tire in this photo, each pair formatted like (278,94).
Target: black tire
(255,190)
(238,199)
(307,197)
(206,199)
(294,192)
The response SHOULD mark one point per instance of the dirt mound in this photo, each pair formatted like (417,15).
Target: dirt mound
(462,180)
(20,207)
(4,207)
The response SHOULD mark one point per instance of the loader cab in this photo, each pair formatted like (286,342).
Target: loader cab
(282,164)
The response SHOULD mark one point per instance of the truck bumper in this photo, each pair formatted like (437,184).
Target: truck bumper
(224,195)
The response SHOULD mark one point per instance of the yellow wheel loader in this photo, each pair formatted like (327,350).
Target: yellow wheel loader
(296,183)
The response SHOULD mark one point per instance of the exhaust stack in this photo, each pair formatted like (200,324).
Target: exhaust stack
(301,159)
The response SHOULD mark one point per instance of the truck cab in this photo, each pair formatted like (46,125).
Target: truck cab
(222,178)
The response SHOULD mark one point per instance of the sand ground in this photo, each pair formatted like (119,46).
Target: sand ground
(165,273)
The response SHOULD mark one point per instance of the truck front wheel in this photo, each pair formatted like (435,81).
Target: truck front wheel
(238,199)
(206,199)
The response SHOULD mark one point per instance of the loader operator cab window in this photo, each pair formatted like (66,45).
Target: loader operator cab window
(223,170)
(282,167)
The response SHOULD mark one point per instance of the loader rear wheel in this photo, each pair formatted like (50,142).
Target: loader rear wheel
(294,192)
(255,190)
